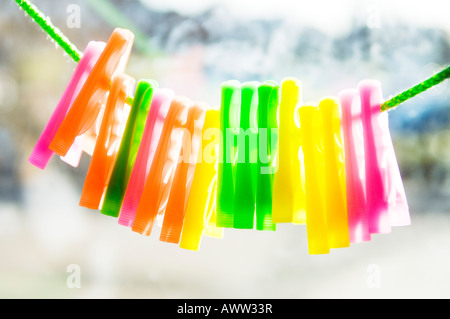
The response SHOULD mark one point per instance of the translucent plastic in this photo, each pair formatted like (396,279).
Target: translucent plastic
(229,126)
(268,100)
(200,210)
(181,186)
(288,197)
(152,132)
(352,132)
(316,219)
(333,183)
(89,103)
(386,198)
(42,154)
(160,177)
(129,147)
(246,164)
(108,141)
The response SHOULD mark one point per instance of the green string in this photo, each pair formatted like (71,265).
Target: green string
(50,29)
(54,33)
(419,88)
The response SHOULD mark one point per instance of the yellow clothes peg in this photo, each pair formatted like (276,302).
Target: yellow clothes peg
(334,187)
(316,221)
(288,198)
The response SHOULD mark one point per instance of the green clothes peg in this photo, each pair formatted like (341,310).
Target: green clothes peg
(129,147)
(229,126)
(245,181)
(268,96)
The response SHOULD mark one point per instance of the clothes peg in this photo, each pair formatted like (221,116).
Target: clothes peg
(108,141)
(159,180)
(386,199)
(352,132)
(182,182)
(316,221)
(247,139)
(42,154)
(152,132)
(268,101)
(129,147)
(200,209)
(211,229)
(288,197)
(335,203)
(229,126)
(89,102)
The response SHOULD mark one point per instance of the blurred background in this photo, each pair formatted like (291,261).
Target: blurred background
(52,248)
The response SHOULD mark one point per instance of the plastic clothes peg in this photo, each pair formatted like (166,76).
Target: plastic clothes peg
(316,222)
(335,204)
(354,166)
(129,147)
(386,199)
(155,121)
(92,97)
(159,180)
(182,181)
(246,164)
(229,126)
(42,154)
(288,197)
(211,229)
(268,96)
(108,141)
(200,209)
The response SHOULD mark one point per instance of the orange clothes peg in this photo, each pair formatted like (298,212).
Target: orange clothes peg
(200,210)
(182,182)
(108,141)
(159,180)
(92,97)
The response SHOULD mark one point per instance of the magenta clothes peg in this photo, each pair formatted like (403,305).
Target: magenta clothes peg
(42,154)
(386,199)
(161,101)
(352,134)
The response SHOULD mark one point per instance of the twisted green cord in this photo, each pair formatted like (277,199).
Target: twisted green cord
(419,88)
(54,33)
(50,29)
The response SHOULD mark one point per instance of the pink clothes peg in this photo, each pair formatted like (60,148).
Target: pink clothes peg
(42,154)
(354,166)
(386,199)
(161,101)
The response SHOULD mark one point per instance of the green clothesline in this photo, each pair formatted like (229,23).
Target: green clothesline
(75,54)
